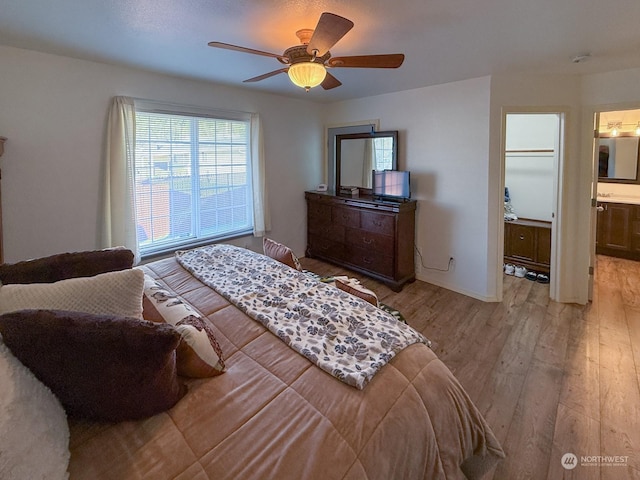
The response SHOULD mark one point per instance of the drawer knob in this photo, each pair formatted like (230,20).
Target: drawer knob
(366,240)
(521,237)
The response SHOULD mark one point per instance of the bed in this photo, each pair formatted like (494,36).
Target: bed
(273,413)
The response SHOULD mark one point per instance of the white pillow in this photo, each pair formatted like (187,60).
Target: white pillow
(199,354)
(113,293)
(34,433)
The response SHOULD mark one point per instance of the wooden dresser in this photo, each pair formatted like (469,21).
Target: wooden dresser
(372,237)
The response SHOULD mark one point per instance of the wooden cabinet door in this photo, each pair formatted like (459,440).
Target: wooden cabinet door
(543,253)
(614,231)
(522,242)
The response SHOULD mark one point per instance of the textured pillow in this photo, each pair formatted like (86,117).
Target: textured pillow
(352,286)
(100,367)
(66,265)
(34,434)
(199,355)
(280,252)
(113,293)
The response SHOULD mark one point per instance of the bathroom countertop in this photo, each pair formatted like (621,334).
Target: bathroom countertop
(630,199)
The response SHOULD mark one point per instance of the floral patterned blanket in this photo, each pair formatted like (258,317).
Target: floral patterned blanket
(342,334)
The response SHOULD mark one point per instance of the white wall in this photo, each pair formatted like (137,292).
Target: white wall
(53,111)
(444,143)
(543,93)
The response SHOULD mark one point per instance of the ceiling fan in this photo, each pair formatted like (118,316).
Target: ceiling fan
(307,63)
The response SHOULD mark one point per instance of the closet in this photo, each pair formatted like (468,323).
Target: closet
(531,159)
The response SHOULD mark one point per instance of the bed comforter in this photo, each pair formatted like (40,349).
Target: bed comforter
(275,415)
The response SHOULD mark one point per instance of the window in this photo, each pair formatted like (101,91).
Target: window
(383,147)
(192,179)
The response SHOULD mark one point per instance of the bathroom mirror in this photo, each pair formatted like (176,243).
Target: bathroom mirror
(618,159)
(358,154)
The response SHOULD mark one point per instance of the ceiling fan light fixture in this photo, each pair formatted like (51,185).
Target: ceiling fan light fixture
(307,74)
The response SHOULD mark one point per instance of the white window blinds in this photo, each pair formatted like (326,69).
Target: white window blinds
(192,179)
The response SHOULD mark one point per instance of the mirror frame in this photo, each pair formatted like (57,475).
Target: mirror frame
(632,181)
(350,136)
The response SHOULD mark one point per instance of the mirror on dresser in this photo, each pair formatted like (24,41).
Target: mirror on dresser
(618,159)
(358,154)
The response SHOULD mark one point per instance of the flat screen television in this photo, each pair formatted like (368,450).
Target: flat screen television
(391,184)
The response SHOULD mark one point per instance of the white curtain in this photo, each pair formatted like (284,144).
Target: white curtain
(368,162)
(261,220)
(119,223)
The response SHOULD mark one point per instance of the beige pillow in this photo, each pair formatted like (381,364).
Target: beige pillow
(198,355)
(114,293)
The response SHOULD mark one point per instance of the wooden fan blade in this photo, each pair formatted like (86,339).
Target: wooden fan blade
(393,60)
(329,30)
(330,82)
(228,46)
(266,75)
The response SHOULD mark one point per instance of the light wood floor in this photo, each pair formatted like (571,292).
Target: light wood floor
(550,378)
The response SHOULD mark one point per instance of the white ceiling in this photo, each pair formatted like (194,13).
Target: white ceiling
(443,40)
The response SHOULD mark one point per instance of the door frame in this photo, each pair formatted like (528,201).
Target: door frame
(592,117)
(557,226)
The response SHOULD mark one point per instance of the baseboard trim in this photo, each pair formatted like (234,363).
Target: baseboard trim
(477,296)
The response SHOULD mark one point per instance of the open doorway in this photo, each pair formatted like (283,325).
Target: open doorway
(532,159)
(616,185)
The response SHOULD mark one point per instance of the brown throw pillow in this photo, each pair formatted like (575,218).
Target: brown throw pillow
(66,265)
(198,355)
(280,252)
(100,367)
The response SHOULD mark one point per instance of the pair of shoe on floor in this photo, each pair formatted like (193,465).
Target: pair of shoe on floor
(521,272)
(537,277)
(516,270)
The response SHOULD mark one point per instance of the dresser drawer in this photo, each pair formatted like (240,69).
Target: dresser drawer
(318,213)
(367,240)
(349,217)
(378,222)
(326,248)
(370,260)
(327,230)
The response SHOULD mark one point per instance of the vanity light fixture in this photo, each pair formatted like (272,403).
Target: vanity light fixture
(307,74)
(638,129)
(615,128)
